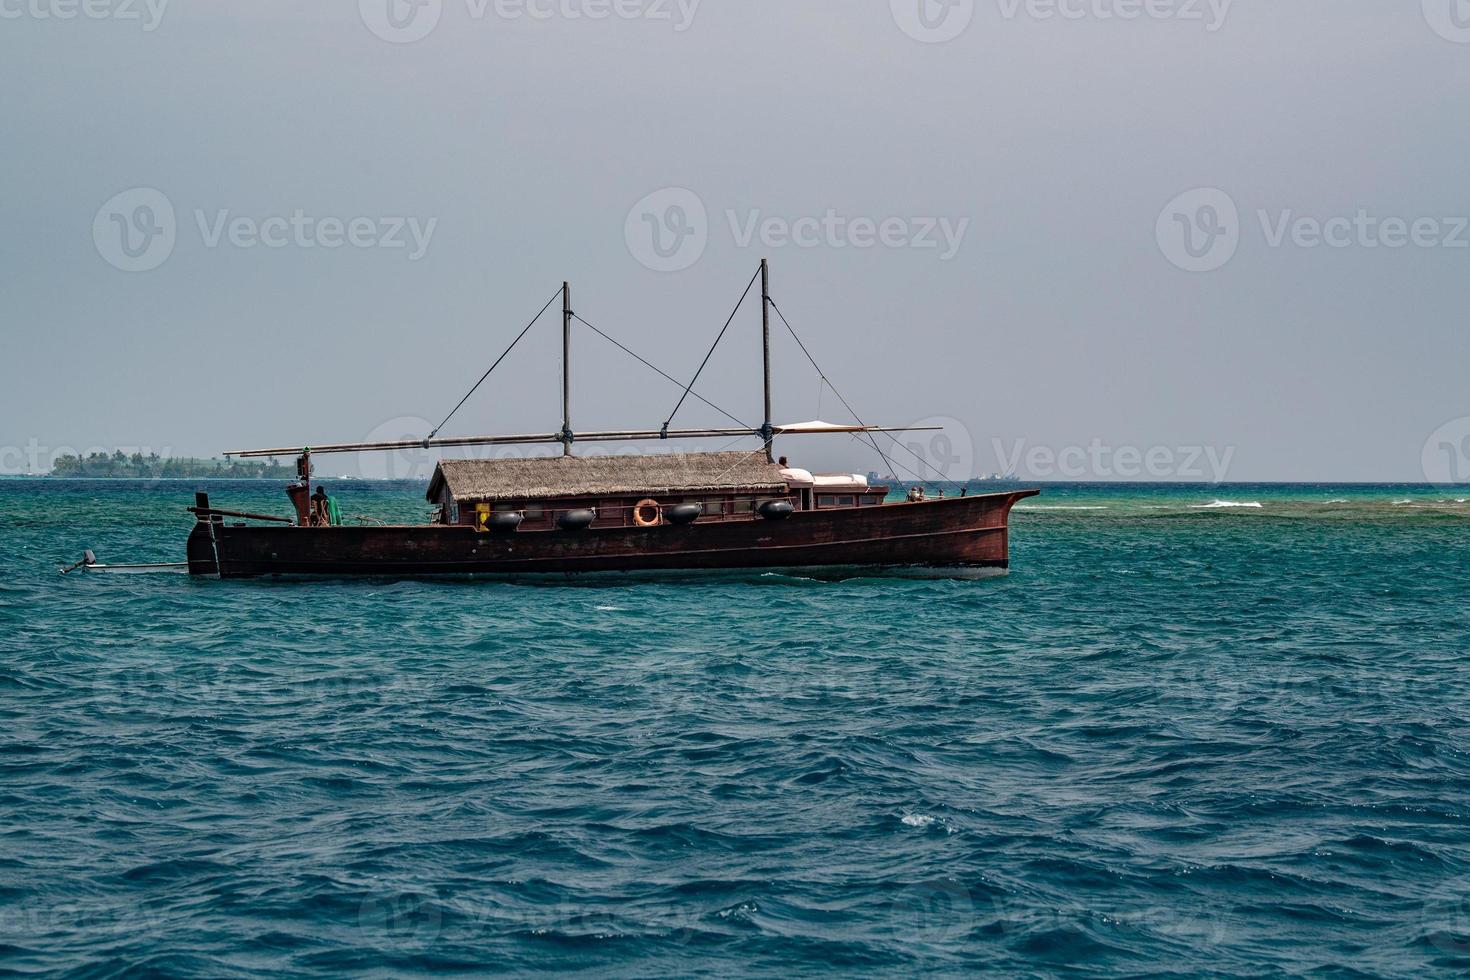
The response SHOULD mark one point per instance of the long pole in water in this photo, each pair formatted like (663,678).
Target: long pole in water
(766,431)
(566,369)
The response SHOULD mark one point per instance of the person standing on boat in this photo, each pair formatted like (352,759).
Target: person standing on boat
(324,512)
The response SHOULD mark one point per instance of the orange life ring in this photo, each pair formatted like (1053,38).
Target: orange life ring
(641,517)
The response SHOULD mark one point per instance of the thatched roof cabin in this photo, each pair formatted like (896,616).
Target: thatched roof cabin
(596,476)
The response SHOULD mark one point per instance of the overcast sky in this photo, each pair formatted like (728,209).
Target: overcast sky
(1069,229)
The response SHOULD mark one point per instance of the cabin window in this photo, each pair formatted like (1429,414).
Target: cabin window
(826,500)
(713,508)
(846,501)
(506,508)
(534,512)
(745,505)
(868,500)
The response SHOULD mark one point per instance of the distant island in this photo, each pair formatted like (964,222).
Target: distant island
(120,466)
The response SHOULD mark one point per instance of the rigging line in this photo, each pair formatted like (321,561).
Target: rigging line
(874,442)
(733,442)
(493,366)
(757,451)
(713,346)
(661,373)
(825,380)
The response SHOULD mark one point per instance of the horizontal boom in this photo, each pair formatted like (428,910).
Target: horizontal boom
(635,435)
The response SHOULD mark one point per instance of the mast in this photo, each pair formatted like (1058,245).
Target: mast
(766,431)
(566,369)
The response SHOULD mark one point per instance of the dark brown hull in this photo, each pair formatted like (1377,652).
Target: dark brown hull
(958,533)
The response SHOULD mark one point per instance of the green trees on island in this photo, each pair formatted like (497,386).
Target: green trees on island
(121,466)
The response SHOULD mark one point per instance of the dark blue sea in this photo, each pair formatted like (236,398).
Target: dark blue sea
(1196,730)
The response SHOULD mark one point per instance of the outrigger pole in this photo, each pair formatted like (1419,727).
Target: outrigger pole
(633,435)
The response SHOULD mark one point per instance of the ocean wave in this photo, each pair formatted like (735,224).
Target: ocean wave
(1218,504)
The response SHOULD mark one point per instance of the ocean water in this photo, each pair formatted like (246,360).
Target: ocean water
(1215,730)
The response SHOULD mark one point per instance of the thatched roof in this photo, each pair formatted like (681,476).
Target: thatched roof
(568,476)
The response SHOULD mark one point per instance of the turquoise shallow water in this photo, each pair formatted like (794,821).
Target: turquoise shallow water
(1181,736)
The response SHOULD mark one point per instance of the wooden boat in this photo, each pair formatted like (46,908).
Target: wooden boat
(620,515)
